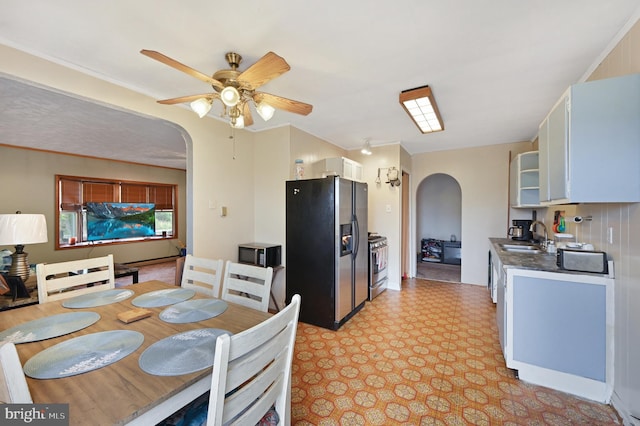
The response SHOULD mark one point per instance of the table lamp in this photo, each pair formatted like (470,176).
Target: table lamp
(18,230)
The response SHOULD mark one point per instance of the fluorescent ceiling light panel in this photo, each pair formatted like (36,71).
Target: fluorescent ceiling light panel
(421,106)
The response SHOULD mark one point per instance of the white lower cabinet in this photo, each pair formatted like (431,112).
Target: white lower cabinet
(559,331)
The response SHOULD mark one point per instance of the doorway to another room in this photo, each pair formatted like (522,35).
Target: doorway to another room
(439,228)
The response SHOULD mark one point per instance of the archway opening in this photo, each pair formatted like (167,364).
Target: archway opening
(439,228)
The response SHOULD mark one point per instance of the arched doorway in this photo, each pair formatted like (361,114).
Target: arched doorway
(439,228)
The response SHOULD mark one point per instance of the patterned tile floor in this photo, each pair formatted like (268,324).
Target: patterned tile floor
(427,355)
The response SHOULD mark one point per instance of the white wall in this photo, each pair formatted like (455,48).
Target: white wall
(271,166)
(384,203)
(483,175)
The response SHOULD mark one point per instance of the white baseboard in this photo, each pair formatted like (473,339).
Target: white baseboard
(393,285)
(569,383)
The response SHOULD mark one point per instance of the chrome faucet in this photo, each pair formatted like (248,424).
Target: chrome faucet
(537,222)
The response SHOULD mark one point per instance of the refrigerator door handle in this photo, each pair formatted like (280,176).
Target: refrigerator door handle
(356,231)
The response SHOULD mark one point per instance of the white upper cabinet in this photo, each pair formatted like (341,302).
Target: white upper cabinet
(525,191)
(589,144)
(340,166)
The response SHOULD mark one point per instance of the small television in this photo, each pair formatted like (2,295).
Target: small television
(113,221)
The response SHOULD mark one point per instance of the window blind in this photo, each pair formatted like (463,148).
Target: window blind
(99,192)
(133,193)
(161,196)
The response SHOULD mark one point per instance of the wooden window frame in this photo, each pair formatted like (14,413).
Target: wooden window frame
(97,189)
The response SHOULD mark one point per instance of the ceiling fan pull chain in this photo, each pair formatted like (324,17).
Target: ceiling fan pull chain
(233,137)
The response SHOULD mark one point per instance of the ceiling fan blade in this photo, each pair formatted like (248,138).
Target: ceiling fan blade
(246,113)
(189,98)
(285,104)
(182,67)
(266,69)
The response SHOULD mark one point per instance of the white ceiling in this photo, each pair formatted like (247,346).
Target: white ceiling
(496,66)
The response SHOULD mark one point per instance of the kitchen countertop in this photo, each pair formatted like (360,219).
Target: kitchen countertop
(538,261)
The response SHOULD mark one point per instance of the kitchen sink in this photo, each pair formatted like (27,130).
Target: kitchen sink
(522,248)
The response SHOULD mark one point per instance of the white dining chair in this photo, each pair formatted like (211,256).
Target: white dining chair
(252,371)
(247,285)
(13,385)
(73,278)
(202,275)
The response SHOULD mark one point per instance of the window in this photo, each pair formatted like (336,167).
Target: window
(79,197)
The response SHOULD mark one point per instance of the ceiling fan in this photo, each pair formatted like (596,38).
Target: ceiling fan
(237,89)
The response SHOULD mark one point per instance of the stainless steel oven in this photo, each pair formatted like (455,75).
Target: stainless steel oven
(378,273)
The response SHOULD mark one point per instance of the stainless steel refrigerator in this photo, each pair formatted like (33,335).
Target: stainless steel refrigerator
(326,248)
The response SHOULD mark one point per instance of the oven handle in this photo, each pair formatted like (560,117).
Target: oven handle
(379,257)
(382,257)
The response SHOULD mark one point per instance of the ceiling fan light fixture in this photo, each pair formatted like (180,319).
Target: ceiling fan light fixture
(236,88)
(201,106)
(238,123)
(230,96)
(421,106)
(265,111)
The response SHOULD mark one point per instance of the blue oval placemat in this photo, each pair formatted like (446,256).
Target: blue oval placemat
(83,354)
(49,327)
(165,297)
(182,353)
(193,310)
(99,298)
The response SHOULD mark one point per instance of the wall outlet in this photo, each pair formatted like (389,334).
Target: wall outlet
(610,235)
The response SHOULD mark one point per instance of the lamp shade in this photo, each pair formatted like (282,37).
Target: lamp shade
(22,229)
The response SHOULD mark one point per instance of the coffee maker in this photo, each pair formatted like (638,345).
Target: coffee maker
(520,230)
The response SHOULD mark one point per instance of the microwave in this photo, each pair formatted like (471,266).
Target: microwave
(260,254)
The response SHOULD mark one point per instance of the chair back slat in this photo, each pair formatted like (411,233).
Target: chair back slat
(73,278)
(254,361)
(247,285)
(202,275)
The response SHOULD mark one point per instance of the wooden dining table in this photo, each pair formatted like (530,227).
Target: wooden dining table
(122,393)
